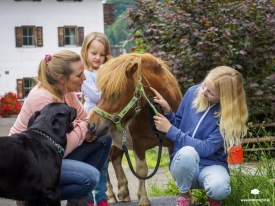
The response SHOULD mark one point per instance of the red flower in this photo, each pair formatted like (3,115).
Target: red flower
(9,105)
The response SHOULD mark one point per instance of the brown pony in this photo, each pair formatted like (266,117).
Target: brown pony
(117,79)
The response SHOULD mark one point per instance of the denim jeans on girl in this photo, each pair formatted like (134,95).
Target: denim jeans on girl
(101,189)
(188,174)
(80,169)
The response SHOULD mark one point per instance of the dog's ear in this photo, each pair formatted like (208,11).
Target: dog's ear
(55,125)
(33,117)
(73,113)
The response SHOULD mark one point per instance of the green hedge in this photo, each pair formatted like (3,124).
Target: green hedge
(194,37)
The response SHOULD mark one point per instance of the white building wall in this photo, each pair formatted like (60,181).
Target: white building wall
(22,62)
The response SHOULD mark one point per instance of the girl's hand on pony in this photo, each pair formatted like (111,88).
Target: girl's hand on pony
(161,101)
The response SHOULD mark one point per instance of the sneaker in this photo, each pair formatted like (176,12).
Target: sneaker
(181,201)
(103,203)
(214,202)
(89,202)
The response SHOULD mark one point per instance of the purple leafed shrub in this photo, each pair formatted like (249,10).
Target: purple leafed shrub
(194,37)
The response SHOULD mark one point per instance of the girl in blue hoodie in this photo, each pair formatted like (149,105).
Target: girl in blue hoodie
(210,119)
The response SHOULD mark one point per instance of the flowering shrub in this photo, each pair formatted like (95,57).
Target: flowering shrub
(196,36)
(9,105)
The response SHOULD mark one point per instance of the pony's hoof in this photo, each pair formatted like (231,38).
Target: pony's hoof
(125,199)
(112,200)
(144,201)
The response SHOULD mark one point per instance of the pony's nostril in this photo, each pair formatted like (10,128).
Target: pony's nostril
(103,132)
(92,129)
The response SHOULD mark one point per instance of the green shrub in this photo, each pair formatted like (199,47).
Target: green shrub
(197,36)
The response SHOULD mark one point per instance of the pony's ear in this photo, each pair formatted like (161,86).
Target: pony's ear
(131,69)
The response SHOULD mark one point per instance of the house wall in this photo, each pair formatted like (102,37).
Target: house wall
(22,62)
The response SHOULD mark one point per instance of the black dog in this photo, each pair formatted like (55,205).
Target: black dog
(30,162)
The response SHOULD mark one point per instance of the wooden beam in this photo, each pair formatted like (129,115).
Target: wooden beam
(259,139)
(259,149)
(269,124)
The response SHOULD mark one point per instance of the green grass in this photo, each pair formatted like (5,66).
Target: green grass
(244,179)
(151,158)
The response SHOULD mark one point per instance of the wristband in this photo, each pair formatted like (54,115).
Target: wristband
(88,121)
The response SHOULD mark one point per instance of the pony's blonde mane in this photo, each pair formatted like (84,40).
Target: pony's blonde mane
(112,79)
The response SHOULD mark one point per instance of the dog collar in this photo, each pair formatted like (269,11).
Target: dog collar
(60,149)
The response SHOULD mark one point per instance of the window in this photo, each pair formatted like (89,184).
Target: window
(28,36)
(70,35)
(24,86)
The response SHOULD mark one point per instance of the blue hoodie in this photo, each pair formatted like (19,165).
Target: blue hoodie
(199,130)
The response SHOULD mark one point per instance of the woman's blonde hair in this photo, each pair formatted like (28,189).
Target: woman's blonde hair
(233,111)
(50,70)
(86,43)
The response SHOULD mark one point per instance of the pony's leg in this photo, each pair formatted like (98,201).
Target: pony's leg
(116,158)
(110,192)
(142,170)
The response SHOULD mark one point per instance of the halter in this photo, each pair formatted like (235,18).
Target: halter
(139,92)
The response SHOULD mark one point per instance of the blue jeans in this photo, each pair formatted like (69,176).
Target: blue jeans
(188,174)
(80,169)
(101,189)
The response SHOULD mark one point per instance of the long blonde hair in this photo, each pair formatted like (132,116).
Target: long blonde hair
(86,43)
(58,65)
(233,111)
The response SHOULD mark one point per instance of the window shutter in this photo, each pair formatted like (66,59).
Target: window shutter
(61,36)
(18,36)
(20,88)
(80,36)
(39,36)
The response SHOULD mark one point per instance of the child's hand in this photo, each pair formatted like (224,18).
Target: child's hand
(161,101)
(90,139)
(162,123)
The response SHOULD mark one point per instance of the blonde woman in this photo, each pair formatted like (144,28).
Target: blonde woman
(210,119)
(59,77)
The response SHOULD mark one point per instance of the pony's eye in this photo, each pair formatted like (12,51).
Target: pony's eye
(116,96)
